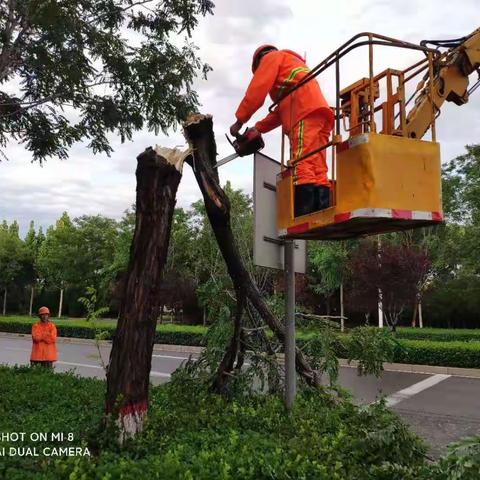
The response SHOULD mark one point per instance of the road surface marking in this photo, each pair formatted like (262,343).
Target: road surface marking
(87,365)
(160,374)
(408,392)
(170,356)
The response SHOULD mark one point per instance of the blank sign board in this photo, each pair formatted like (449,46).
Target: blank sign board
(267,247)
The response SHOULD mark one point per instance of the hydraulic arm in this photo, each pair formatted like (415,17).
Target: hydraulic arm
(451,71)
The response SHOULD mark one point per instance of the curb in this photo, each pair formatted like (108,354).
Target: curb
(388,367)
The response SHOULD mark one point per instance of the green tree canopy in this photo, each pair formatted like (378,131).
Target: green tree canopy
(84,68)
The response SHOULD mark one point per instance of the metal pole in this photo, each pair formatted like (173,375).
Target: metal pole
(342,312)
(290,375)
(380,295)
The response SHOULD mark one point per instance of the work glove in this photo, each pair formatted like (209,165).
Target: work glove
(235,128)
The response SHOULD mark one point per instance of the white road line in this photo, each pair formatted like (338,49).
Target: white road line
(160,374)
(87,365)
(408,392)
(170,356)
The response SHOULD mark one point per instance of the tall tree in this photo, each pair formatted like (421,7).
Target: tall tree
(327,265)
(111,64)
(96,236)
(33,242)
(13,258)
(398,273)
(57,256)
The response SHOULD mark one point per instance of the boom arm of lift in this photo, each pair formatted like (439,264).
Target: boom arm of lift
(450,83)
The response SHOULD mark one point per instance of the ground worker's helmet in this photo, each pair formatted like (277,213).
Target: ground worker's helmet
(259,53)
(43,311)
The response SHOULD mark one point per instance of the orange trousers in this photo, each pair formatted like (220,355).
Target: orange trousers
(309,134)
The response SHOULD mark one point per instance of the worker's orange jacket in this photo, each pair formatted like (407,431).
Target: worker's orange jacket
(44,335)
(278,71)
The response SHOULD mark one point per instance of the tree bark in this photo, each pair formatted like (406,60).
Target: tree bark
(60,303)
(30,310)
(420,316)
(199,133)
(158,175)
(414,317)
(4,310)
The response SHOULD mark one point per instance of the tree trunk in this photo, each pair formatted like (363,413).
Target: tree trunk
(342,310)
(4,301)
(199,133)
(30,310)
(60,303)
(414,317)
(420,317)
(158,175)
(380,309)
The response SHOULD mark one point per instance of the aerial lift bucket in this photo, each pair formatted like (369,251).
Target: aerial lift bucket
(384,183)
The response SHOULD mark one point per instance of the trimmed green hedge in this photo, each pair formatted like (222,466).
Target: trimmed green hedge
(448,354)
(440,334)
(193,434)
(464,354)
(166,334)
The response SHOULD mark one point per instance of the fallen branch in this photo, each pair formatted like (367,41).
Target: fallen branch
(198,131)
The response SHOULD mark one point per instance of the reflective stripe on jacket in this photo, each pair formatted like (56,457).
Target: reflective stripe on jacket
(44,336)
(278,72)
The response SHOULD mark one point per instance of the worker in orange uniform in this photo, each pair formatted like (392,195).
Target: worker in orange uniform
(304,116)
(44,335)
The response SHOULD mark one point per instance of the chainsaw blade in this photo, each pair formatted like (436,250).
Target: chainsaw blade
(225,160)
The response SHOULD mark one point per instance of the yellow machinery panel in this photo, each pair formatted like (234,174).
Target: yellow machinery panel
(383,183)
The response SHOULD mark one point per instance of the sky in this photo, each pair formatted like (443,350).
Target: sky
(97,184)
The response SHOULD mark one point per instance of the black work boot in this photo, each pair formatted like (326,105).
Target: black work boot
(323,197)
(305,200)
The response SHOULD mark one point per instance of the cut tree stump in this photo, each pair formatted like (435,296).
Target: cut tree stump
(158,175)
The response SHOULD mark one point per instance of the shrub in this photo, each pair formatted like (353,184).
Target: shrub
(448,354)
(191,433)
(439,334)
(166,334)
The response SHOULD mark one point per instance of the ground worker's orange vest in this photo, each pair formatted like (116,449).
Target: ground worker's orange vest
(278,71)
(44,336)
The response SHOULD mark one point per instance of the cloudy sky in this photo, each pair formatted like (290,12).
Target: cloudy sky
(88,184)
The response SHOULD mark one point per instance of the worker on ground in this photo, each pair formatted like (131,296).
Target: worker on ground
(304,115)
(44,335)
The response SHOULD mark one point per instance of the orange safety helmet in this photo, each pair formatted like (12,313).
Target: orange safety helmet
(43,311)
(259,53)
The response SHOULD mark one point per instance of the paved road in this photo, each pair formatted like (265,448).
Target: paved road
(440,408)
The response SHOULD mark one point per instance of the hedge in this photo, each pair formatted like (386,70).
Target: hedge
(166,334)
(464,354)
(193,434)
(448,354)
(440,334)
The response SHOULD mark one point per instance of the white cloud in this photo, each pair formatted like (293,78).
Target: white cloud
(97,184)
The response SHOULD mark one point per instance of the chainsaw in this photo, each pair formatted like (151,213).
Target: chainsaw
(248,142)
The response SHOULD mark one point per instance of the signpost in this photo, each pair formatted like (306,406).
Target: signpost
(273,252)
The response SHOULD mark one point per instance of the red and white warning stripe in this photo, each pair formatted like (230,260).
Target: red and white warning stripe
(352,142)
(388,213)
